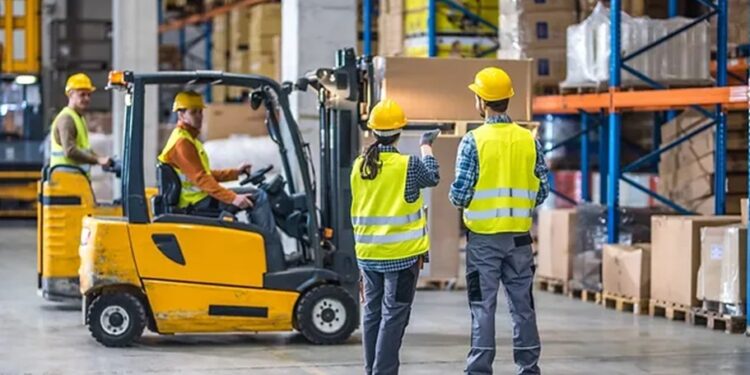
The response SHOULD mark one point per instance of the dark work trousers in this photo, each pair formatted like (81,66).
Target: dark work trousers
(388,300)
(490,259)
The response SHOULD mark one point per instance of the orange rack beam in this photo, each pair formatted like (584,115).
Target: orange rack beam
(733,97)
(207,16)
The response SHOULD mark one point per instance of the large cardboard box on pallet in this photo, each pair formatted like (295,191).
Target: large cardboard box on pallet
(224,120)
(626,270)
(435,89)
(556,232)
(721,276)
(675,255)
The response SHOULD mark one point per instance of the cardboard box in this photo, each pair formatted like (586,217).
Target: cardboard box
(735,162)
(223,120)
(549,65)
(535,30)
(721,277)
(701,187)
(265,20)
(626,270)
(556,231)
(391,29)
(675,255)
(705,206)
(436,89)
(743,210)
(691,119)
(264,65)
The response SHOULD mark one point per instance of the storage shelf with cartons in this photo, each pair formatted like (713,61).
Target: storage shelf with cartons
(435,28)
(702,153)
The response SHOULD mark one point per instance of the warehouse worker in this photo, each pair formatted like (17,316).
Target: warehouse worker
(201,191)
(69,135)
(390,232)
(501,176)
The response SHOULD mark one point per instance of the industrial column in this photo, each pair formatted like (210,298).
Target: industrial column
(613,177)
(720,173)
(137,51)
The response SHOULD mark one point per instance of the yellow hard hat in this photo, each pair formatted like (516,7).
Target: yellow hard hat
(79,81)
(386,115)
(188,100)
(492,84)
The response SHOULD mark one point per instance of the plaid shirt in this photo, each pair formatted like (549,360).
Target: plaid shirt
(420,174)
(467,168)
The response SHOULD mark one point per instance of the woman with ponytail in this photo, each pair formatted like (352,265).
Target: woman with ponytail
(390,232)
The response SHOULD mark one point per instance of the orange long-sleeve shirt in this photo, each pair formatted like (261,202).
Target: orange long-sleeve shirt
(184,156)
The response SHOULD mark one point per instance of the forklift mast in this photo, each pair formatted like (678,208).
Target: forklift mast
(345,96)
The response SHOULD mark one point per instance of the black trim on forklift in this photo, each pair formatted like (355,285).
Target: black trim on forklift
(243,311)
(70,200)
(169,246)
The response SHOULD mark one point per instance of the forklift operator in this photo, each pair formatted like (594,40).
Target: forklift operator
(201,191)
(69,138)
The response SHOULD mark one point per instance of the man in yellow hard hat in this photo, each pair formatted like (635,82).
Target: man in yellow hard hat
(69,135)
(501,176)
(201,192)
(390,232)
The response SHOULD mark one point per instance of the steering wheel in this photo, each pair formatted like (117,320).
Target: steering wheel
(256,177)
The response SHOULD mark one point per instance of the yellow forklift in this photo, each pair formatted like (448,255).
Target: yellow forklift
(176,273)
(65,198)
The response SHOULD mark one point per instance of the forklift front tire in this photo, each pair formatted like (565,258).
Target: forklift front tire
(116,319)
(326,315)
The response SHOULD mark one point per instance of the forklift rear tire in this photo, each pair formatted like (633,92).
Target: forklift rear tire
(326,315)
(116,319)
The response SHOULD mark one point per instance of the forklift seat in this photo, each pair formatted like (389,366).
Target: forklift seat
(169,185)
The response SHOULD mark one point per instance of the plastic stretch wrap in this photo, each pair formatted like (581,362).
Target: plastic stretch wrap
(591,235)
(721,276)
(682,58)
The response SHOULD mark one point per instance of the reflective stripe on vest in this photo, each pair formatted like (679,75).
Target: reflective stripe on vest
(189,194)
(386,227)
(57,154)
(505,193)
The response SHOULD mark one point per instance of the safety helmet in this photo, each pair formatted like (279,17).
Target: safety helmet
(492,84)
(188,100)
(79,81)
(386,117)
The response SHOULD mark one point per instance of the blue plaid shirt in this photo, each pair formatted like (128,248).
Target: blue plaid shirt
(467,168)
(420,174)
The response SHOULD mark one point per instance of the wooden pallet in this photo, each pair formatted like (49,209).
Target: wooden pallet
(716,320)
(637,306)
(551,285)
(669,310)
(436,283)
(585,295)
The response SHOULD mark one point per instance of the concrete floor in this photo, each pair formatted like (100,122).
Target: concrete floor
(578,338)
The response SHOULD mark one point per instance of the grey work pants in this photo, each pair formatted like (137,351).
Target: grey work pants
(388,301)
(490,259)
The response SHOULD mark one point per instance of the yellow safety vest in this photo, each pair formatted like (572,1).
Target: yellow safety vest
(505,193)
(57,155)
(190,194)
(386,227)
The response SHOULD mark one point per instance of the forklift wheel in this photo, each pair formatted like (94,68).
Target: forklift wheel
(116,319)
(326,315)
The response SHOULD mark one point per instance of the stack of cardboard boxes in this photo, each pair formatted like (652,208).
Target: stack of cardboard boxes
(721,276)
(686,173)
(537,30)
(247,40)
(737,25)
(391,28)
(676,243)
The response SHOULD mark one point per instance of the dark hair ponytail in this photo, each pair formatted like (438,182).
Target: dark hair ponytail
(371,164)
